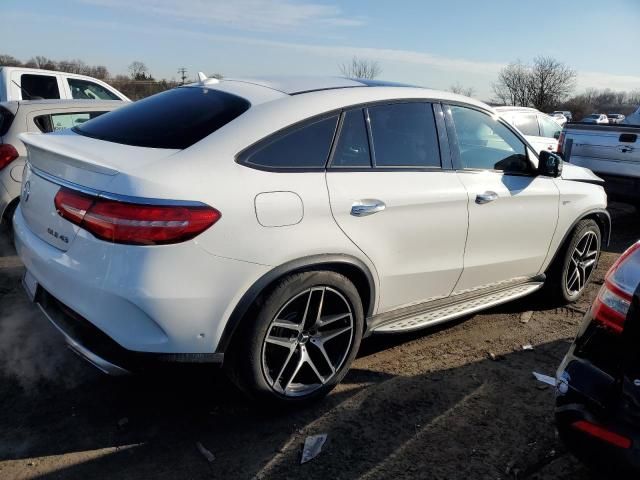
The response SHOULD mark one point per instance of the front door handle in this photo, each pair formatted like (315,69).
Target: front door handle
(362,208)
(486,197)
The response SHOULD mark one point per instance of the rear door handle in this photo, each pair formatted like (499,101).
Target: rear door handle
(362,208)
(486,197)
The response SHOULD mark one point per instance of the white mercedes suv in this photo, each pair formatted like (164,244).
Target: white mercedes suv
(271,224)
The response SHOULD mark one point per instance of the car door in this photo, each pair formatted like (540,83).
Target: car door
(512,211)
(395,196)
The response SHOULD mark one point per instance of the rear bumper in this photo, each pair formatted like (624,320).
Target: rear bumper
(102,351)
(173,299)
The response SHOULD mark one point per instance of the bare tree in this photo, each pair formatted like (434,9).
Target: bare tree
(551,82)
(9,61)
(139,71)
(543,85)
(514,85)
(461,90)
(361,68)
(40,61)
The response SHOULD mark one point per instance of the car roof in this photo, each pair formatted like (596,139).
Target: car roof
(295,85)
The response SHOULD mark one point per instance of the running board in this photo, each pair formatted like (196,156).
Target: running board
(451,308)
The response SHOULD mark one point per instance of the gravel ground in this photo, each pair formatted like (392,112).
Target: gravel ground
(428,405)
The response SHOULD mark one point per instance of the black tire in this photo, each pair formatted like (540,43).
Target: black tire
(560,272)
(244,362)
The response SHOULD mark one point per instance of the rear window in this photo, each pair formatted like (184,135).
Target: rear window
(527,124)
(35,87)
(173,119)
(6,118)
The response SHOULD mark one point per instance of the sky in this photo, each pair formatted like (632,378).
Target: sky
(423,42)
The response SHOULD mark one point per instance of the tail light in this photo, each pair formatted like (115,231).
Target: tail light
(560,143)
(134,223)
(602,433)
(614,299)
(8,154)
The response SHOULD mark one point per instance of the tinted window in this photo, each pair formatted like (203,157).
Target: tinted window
(485,143)
(176,118)
(404,135)
(352,149)
(549,128)
(61,121)
(39,86)
(527,124)
(302,147)
(83,90)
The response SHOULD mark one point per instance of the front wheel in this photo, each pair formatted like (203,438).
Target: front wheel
(572,269)
(303,340)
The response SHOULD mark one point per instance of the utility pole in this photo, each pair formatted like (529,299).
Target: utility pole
(183,74)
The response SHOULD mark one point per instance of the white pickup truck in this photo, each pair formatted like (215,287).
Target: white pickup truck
(611,151)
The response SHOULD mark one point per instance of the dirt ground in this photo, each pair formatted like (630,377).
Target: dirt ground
(426,405)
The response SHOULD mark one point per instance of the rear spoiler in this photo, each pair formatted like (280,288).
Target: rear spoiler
(60,150)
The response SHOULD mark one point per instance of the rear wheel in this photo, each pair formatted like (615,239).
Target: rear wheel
(302,342)
(574,265)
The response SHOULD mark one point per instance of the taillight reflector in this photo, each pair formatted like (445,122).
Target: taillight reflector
(8,154)
(134,223)
(602,433)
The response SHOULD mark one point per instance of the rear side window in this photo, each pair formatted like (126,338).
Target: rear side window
(404,135)
(303,147)
(173,119)
(6,118)
(84,90)
(549,128)
(39,87)
(352,149)
(60,121)
(527,124)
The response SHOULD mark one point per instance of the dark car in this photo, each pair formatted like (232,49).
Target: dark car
(598,390)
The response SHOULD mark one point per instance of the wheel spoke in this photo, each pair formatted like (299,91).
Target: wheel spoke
(295,372)
(286,324)
(320,346)
(285,364)
(324,337)
(313,367)
(329,319)
(588,263)
(572,279)
(281,341)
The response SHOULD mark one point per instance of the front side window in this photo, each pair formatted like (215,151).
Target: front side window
(352,149)
(549,128)
(84,90)
(485,143)
(527,124)
(404,135)
(38,87)
(306,146)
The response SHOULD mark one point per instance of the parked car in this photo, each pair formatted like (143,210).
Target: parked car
(615,117)
(271,224)
(565,113)
(599,118)
(598,401)
(42,116)
(560,118)
(540,129)
(611,151)
(20,83)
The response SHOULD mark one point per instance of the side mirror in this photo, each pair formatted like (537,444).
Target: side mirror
(549,164)
(556,135)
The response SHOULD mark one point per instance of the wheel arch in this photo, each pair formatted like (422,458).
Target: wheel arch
(351,267)
(600,216)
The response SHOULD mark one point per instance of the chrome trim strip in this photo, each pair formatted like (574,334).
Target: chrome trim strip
(98,362)
(113,196)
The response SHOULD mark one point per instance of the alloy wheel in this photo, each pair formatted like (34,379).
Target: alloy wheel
(307,341)
(582,262)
